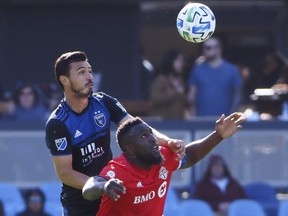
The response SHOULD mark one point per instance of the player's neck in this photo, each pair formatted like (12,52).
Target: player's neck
(77,104)
(133,160)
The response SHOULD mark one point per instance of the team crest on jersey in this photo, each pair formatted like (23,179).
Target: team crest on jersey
(111,174)
(61,144)
(163,173)
(100,119)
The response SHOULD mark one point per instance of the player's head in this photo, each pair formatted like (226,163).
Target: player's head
(136,140)
(73,71)
(212,49)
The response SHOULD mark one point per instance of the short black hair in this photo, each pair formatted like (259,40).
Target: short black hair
(62,64)
(124,129)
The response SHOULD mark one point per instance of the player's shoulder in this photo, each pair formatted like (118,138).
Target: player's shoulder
(119,162)
(119,168)
(59,115)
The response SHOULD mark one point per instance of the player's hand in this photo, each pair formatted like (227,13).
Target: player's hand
(113,188)
(177,146)
(226,127)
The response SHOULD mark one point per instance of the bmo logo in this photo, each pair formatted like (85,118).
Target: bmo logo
(151,195)
(162,189)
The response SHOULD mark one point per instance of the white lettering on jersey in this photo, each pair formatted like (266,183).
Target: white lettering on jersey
(89,152)
(144,198)
(151,195)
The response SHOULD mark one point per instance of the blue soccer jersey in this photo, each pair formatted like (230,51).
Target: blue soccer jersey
(85,136)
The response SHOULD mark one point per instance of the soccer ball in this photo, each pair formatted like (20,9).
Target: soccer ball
(196,22)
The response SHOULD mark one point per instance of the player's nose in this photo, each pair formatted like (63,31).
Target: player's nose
(152,139)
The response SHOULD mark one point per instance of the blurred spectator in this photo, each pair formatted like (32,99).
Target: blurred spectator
(52,95)
(215,84)
(34,200)
(27,105)
(268,72)
(218,187)
(5,106)
(169,89)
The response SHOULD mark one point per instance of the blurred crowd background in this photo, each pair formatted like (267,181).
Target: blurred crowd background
(138,57)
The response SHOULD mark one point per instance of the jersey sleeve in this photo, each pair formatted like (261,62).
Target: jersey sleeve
(58,138)
(170,158)
(111,171)
(117,111)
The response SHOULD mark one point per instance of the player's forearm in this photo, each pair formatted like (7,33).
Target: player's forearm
(161,138)
(198,149)
(72,178)
(93,188)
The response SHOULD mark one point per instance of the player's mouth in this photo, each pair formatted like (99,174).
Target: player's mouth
(90,84)
(155,148)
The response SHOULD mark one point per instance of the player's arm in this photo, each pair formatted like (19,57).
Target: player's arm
(67,175)
(96,186)
(58,141)
(225,127)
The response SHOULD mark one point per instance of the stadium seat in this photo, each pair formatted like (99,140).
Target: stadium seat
(11,198)
(283,209)
(171,203)
(52,191)
(245,207)
(265,195)
(194,207)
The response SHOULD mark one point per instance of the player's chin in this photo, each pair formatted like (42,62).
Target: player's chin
(88,93)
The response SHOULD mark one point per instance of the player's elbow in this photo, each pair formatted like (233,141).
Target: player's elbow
(91,190)
(88,195)
(64,175)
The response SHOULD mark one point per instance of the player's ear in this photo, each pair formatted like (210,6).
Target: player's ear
(64,80)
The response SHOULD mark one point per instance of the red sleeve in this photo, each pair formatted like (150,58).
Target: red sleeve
(170,158)
(112,171)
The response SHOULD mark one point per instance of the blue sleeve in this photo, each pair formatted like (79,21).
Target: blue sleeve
(116,110)
(182,162)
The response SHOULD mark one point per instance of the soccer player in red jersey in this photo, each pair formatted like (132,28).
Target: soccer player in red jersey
(142,173)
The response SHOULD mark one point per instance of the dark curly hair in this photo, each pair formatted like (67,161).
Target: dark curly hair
(124,129)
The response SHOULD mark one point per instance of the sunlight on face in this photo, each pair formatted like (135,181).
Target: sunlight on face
(81,79)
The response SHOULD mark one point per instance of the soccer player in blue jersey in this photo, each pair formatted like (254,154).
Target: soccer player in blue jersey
(78,132)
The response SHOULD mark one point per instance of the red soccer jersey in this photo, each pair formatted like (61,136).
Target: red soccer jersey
(146,190)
